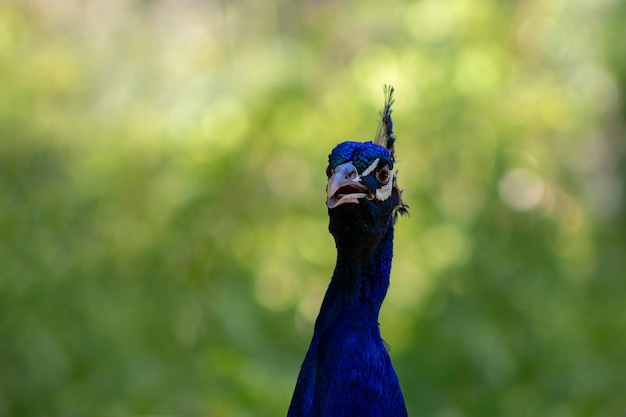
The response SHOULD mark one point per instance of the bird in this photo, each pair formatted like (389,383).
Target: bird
(347,370)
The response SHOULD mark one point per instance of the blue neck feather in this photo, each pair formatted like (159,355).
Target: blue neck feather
(360,282)
(347,370)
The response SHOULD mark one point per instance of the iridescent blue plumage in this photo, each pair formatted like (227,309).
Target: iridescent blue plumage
(347,371)
(360,153)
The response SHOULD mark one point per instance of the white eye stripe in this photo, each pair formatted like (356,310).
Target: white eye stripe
(384,192)
(371,168)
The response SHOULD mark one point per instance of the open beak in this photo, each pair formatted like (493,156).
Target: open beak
(345,187)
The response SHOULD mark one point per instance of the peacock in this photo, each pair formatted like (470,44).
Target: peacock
(347,371)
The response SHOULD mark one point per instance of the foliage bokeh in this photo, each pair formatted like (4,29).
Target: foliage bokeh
(163,243)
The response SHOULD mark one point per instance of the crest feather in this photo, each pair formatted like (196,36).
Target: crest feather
(384,133)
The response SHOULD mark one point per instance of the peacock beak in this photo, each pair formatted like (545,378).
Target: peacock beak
(345,186)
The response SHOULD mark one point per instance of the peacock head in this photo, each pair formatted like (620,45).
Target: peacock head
(362,193)
(363,197)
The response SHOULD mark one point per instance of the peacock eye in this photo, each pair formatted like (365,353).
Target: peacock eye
(383,174)
(329,171)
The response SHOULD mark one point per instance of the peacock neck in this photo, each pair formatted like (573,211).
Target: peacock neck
(360,280)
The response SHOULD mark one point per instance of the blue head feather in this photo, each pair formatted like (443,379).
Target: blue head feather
(361,154)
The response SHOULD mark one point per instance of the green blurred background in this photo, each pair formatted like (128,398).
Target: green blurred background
(163,233)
